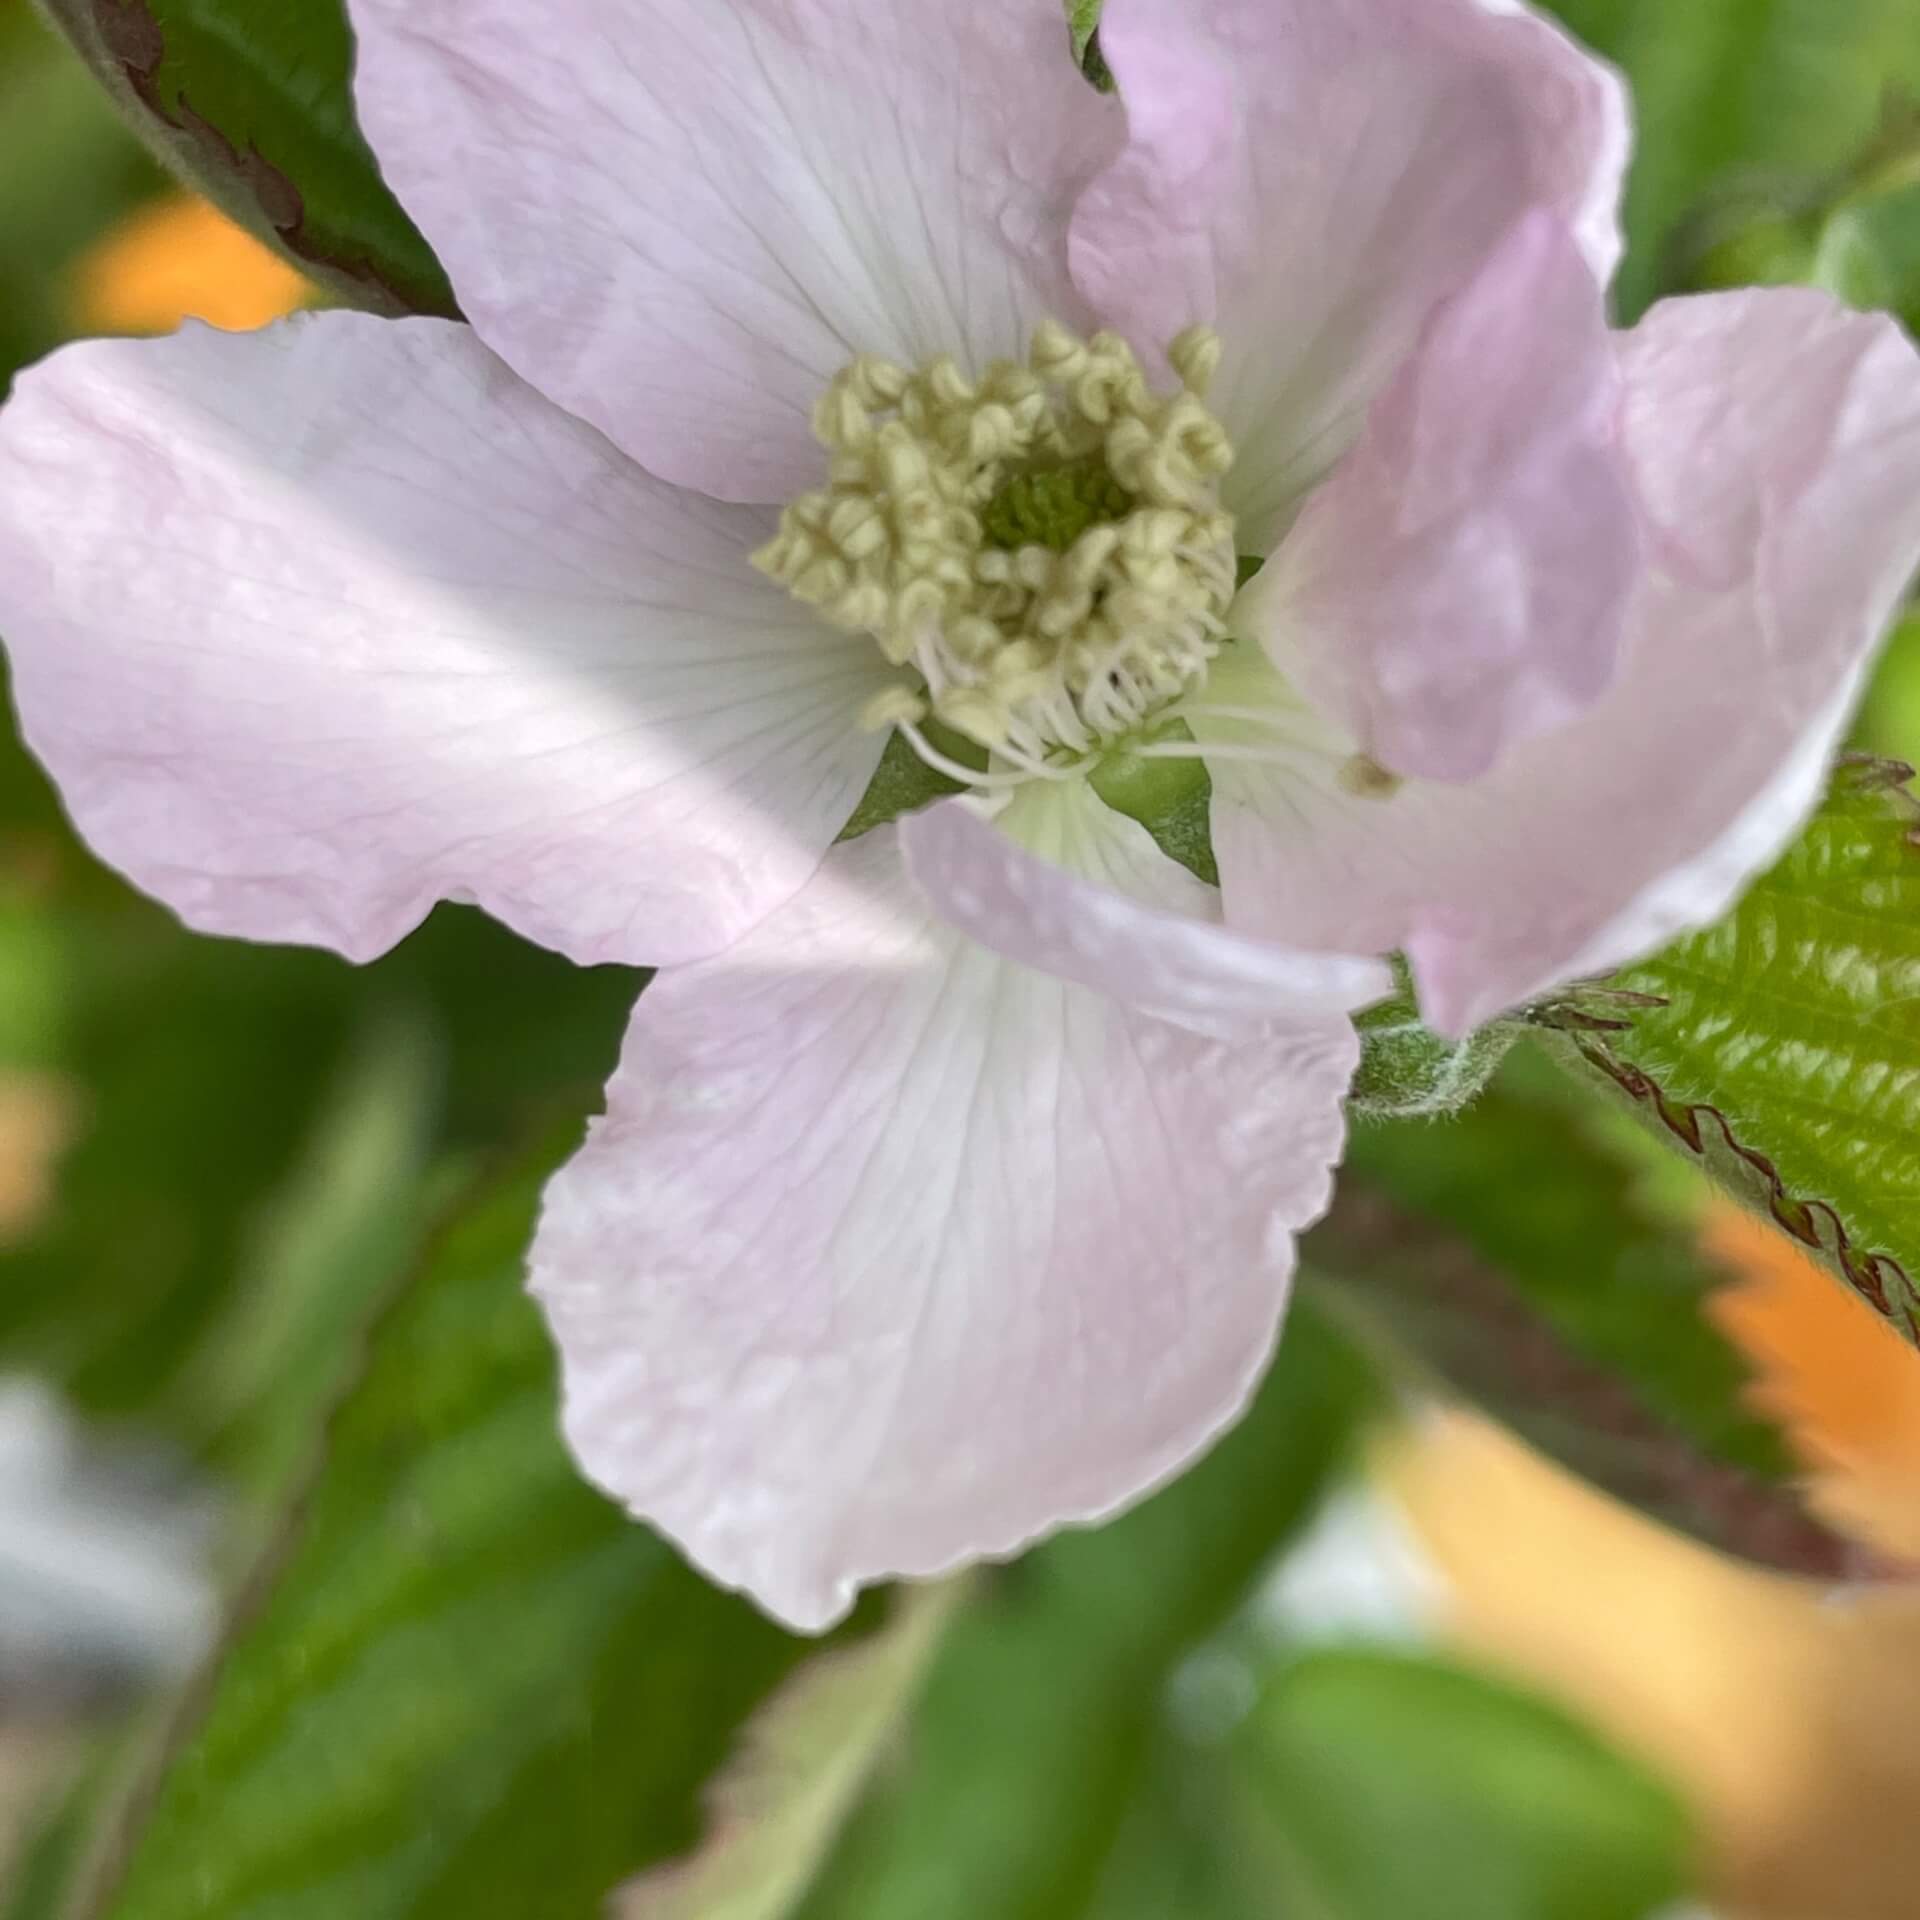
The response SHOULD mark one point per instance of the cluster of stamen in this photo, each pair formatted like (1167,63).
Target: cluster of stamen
(1041,550)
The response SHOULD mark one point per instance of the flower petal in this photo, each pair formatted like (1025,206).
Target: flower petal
(889,1254)
(1312,177)
(679,219)
(1776,438)
(317,626)
(1059,881)
(1461,581)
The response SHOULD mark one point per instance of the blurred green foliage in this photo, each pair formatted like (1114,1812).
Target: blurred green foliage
(1764,104)
(1496,1807)
(70,171)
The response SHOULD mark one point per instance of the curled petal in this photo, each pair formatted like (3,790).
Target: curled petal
(1461,581)
(1776,440)
(890,1253)
(679,218)
(1059,881)
(318,626)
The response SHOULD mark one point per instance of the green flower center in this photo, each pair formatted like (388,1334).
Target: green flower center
(1052,507)
(1042,551)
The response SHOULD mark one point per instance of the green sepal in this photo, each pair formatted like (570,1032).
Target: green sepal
(1409,1072)
(902,783)
(1083,27)
(1172,799)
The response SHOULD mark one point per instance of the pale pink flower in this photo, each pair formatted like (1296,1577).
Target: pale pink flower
(946,1187)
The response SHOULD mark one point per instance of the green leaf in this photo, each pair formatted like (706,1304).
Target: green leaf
(1783,1048)
(466,1686)
(1519,1252)
(1195,1844)
(1869,253)
(1767,101)
(776,1806)
(1856,233)
(1889,723)
(196,1069)
(1401,1788)
(350,1217)
(1045,1705)
(250,102)
(523,1033)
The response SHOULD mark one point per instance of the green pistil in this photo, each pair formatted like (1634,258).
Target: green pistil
(1053,506)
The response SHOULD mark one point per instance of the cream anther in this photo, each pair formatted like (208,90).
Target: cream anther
(1043,548)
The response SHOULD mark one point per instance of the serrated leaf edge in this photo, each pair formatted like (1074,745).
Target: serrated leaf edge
(1880,1279)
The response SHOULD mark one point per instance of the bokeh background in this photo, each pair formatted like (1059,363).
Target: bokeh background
(213,1157)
